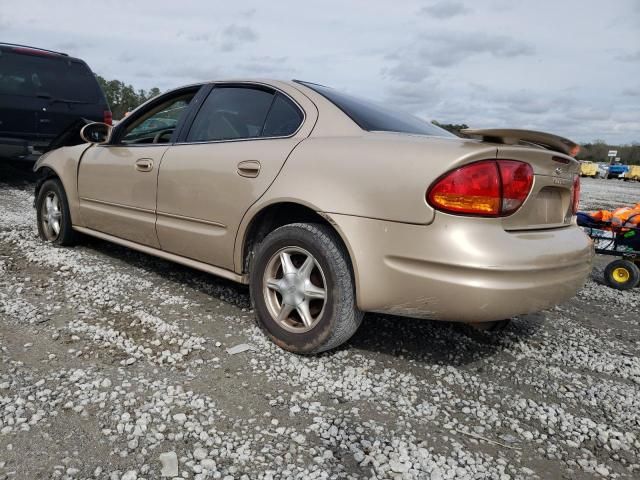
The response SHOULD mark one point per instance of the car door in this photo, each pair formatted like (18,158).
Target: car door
(117,182)
(19,103)
(233,150)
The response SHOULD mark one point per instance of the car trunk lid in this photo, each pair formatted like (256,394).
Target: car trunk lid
(549,205)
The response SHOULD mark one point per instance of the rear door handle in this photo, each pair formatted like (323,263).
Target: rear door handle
(144,164)
(249,168)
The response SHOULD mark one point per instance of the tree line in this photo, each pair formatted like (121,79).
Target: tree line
(595,151)
(123,98)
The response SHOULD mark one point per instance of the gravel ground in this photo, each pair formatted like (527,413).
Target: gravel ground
(113,365)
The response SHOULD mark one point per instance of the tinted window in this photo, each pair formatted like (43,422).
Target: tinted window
(283,120)
(373,117)
(57,77)
(230,113)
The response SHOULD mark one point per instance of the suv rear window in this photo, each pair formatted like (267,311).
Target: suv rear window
(60,78)
(373,117)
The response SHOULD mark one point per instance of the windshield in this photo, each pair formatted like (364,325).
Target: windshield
(373,117)
(55,77)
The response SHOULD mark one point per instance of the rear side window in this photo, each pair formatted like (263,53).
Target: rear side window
(373,117)
(58,78)
(284,118)
(231,113)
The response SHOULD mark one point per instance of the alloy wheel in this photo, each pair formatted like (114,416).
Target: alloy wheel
(295,289)
(51,216)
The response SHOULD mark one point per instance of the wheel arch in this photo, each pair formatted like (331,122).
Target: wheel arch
(45,173)
(267,218)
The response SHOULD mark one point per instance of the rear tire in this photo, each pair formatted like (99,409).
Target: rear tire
(54,219)
(302,289)
(622,275)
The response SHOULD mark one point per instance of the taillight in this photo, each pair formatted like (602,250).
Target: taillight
(108,117)
(575,195)
(490,188)
(517,178)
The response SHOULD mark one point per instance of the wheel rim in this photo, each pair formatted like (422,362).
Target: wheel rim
(51,216)
(295,289)
(621,275)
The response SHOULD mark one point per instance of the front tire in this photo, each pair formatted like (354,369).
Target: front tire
(302,289)
(54,220)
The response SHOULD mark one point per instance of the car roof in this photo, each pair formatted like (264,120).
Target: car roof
(36,51)
(19,47)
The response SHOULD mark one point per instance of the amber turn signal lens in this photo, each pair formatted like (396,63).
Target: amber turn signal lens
(486,188)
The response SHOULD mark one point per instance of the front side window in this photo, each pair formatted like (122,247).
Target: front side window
(231,113)
(158,124)
(377,118)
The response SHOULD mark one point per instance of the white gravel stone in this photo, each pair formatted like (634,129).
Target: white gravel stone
(169,461)
(200,454)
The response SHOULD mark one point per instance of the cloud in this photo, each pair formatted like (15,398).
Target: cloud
(629,57)
(198,37)
(195,72)
(444,9)
(236,35)
(266,66)
(126,57)
(407,72)
(445,49)
(631,92)
(415,98)
(68,45)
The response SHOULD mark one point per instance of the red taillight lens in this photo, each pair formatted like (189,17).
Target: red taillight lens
(517,178)
(108,117)
(487,188)
(474,188)
(575,195)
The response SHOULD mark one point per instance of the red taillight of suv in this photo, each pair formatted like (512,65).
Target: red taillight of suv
(575,195)
(490,188)
(108,117)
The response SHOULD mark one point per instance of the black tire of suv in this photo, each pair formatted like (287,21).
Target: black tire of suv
(341,316)
(67,236)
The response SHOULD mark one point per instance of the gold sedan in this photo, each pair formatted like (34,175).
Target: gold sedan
(328,206)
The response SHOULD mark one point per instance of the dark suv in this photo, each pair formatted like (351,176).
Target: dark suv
(43,95)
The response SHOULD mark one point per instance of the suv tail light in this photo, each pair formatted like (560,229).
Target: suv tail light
(489,188)
(575,195)
(108,117)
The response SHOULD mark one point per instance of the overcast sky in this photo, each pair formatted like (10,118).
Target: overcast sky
(567,66)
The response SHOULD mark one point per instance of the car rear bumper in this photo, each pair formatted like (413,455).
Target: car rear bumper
(463,269)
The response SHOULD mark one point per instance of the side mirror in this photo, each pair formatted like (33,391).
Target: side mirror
(96,132)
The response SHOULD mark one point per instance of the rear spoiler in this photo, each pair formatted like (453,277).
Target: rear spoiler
(525,137)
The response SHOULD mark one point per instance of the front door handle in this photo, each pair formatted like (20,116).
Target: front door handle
(249,168)
(144,164)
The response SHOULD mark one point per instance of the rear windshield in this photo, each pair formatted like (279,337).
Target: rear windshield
(373,117)
(59,78)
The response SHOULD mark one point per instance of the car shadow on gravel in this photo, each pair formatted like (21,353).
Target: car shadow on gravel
(207,284)
(17,175)
(435,342)
(424,341)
